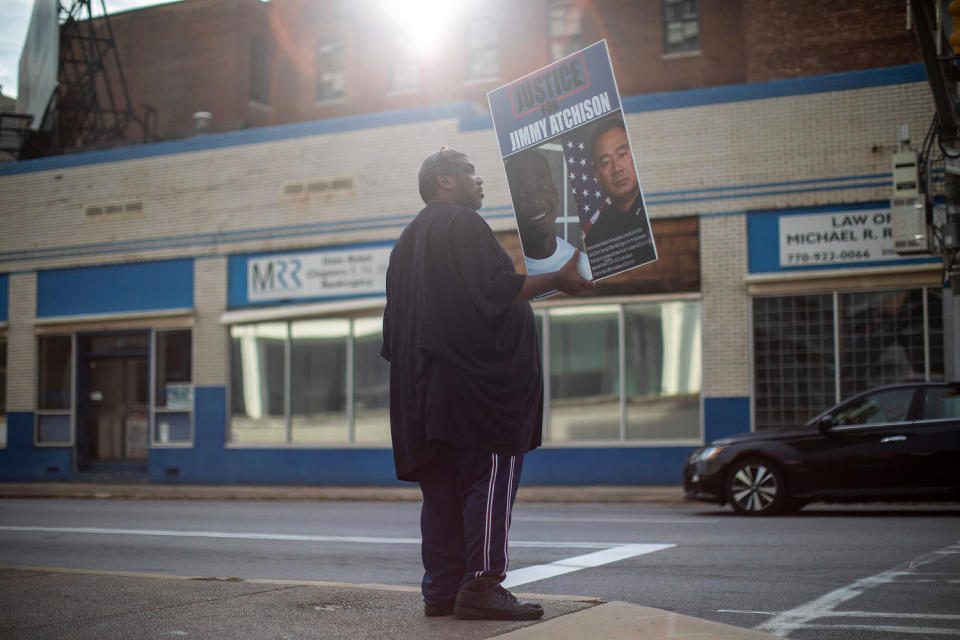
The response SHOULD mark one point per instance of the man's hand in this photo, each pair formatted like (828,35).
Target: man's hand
(570,280)
(567,279)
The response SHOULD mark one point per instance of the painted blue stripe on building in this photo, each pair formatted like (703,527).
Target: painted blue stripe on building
(142,286)
(208,239)
(469,120)
(341,226)
(4,297)
(846,81)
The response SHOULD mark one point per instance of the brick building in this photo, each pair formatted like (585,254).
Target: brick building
(137,268)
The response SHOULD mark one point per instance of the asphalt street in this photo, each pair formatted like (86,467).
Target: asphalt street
(826,572)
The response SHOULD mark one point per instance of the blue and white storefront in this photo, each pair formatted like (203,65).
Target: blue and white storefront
(209,310)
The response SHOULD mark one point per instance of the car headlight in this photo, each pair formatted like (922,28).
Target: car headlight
(708,453)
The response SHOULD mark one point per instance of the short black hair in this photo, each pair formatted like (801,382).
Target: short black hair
(514,161)
(607,124)
(439,163)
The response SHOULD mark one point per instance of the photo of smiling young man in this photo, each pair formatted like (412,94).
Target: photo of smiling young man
(537,203)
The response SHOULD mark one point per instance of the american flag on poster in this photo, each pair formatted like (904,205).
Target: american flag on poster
(583,185)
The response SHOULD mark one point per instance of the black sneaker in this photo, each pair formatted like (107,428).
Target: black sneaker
(432,610)
(485,599)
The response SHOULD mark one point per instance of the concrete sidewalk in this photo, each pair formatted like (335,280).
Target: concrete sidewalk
(145,491)
(55,604)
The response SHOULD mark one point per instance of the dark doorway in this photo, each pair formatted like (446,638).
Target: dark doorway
(114,402)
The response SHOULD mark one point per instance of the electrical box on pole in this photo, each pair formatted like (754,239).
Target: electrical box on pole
(908,211)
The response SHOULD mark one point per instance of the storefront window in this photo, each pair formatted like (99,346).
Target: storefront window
(326,380)
(54,397)
(371,383)
(318,366)
(173,395)
(663,365)
(257,382)
(879,337)
(793,359)
(584,373)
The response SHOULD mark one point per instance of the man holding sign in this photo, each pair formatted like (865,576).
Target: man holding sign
(466,387)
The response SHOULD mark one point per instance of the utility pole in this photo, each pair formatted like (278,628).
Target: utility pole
(936,24)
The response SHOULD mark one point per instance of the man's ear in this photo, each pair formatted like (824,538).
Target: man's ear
(445,181)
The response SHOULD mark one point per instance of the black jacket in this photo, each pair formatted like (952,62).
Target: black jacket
(464,359)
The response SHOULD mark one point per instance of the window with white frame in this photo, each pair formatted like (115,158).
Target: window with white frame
(623,372)
(681,26)
(613,373)
(309,382)
(54,389)
(331,61)
(173,390)
(564,24)
(483,54)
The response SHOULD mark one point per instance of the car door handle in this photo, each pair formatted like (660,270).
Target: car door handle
(894,439)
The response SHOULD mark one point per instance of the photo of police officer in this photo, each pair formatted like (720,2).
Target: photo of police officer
(619,237)
(537,203)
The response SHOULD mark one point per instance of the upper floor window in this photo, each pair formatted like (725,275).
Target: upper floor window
(260,62)
(564,19)
(681,26)
(483,55)
(404,74)
(330,68)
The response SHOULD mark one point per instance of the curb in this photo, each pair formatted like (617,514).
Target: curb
(89,490)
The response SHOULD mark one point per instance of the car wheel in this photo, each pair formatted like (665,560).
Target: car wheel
(755,487)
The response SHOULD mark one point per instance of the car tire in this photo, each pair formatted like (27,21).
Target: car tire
(755,487)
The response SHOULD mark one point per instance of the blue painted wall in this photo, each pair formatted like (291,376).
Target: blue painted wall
(142,286)
(4,297)
(21,461)
(724,417)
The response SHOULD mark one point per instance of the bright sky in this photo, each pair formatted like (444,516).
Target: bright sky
(14,20)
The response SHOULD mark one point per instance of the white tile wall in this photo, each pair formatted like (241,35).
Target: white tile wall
(21,344)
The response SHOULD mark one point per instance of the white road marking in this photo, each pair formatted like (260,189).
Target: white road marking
(527,575)
(858,614)
(799,617)
(532,544)
(887,629)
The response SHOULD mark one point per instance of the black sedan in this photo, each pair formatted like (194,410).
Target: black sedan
(897,442)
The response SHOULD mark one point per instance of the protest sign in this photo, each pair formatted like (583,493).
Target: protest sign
(570,168)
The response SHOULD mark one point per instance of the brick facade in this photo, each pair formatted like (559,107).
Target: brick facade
(194,56)
(808,37)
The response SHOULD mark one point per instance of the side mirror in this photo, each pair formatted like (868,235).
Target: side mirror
(825,423)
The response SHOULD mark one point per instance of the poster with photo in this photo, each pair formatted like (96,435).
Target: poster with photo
(570,169)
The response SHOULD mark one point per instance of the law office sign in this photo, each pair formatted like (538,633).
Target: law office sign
(842,237)
(331,273)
